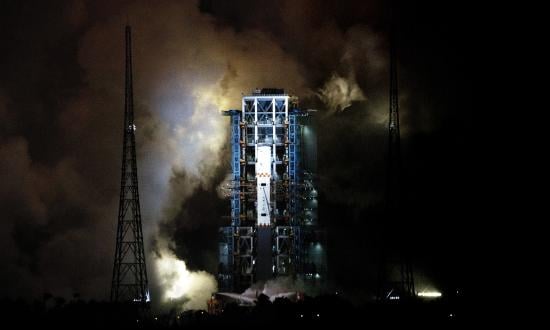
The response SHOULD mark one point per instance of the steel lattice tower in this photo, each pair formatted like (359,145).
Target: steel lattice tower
(394,176)
(129,283)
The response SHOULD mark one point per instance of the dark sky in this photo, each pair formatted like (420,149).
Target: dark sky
(61,111)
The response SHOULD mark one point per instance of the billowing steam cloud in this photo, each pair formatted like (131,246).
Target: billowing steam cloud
(186,71)
(272,288)
(186,289)
(338,93)
(60,189)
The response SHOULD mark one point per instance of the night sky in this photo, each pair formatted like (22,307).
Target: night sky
(61,116)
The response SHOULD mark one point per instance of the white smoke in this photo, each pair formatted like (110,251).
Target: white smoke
(281,287)
(274,287)
(186,70)
(338,93)
(364,55)
(181,287)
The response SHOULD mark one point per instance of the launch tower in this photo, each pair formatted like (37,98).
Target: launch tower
(273,230)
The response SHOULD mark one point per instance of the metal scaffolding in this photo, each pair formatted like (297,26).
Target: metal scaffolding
(265,237)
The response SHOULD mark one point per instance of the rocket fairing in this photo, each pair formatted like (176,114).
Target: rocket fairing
(263,186)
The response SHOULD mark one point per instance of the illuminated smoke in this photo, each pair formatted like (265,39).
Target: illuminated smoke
(276,286)
(187,68)
(338,93)
(181,287)
(281,286)
(363,55)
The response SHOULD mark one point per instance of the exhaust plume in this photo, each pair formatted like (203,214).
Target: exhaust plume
(181,287)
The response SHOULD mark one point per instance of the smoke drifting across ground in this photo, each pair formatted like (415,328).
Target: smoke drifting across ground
(278,286)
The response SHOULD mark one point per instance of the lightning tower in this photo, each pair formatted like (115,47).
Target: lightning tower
(404,287)
(129,282)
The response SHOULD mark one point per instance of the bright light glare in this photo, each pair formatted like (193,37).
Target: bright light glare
(175,277)
(178,282)
(429,294)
